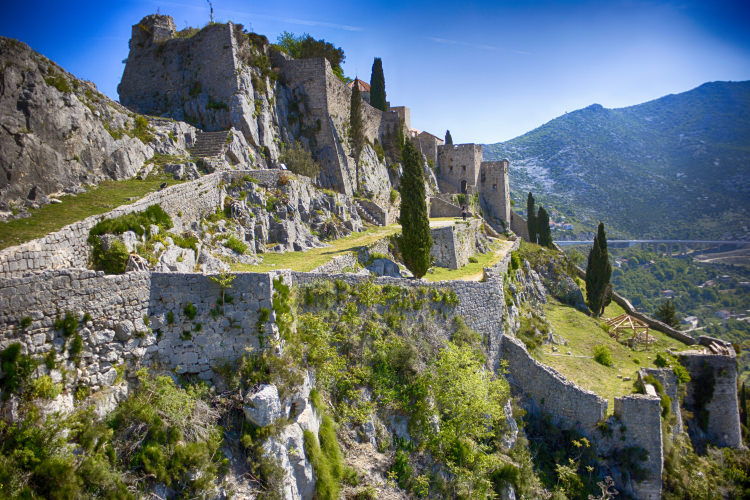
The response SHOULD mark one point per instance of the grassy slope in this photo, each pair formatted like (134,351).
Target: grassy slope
(584,332)
(52,217)
(315,257)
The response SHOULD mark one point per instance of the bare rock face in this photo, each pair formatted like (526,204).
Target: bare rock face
(59,133)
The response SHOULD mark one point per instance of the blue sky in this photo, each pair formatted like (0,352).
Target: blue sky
(488,71)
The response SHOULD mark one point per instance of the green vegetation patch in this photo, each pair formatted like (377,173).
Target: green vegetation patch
(100,199)
(584,335)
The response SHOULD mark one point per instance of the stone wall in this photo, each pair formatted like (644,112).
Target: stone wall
(130,320)
(427,144)
(640,416)
(68,247)
(551,392)
(453,245)
(460,163)
(494,187)
(519,225)
(441,208)
(718,374)
(329,101)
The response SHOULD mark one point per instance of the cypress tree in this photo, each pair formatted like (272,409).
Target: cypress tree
(542,226)
(743,405)
(598,273)
(531,218)
(356,128)
(377,85)
(448,138)
(415,241)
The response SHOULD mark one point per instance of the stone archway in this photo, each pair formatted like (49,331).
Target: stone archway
(463,187)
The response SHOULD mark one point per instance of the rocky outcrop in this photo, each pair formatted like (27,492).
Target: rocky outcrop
(59,133)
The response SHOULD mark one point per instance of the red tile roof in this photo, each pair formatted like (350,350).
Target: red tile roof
(363,87)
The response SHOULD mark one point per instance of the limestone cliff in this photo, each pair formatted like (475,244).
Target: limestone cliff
(57,132)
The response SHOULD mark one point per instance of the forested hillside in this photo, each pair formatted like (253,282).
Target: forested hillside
(675,167)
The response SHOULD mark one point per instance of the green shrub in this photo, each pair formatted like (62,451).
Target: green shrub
(114,260)
(234,243)
(44,387)
(473,259)
(16,369)
(59,82)
(138,222)
(189,311)
(299,160)
(25,322)
(603,355)
(76,346)
(170,317)
(142,130)
(68,324)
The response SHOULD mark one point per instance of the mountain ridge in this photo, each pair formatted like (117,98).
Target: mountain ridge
(677,154)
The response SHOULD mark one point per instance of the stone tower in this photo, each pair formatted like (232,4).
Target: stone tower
(494,188)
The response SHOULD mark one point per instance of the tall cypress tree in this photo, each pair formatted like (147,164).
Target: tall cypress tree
(542,226)
(377,85)
(598,273)
(356,129)
(415,241)
(531,218)
(448,138)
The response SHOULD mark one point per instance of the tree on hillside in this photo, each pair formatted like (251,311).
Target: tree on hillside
(598,273)
(415,241)
(448,138)
(377,85)
(304,46)
(298,159)
(356,129)
(667,314)
(542,226)
(531,218)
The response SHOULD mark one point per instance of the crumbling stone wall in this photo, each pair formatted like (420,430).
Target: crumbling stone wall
(480,304)
(640,417)
(551,392)
(519,225)
(441,208)
(453,245)
(712,375)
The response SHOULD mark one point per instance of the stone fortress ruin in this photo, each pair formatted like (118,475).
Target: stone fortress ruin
(240,102)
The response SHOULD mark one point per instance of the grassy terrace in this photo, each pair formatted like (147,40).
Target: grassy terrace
(310,259)
(101,199)
(584,332)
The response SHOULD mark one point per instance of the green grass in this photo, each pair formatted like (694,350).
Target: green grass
(308,260)
(583,333)
(103,198)
(472,268)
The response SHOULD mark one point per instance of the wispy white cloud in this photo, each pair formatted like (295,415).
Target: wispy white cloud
(447,41)
(252,15)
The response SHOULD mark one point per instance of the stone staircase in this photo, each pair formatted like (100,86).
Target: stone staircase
(210,144)
(365,214)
